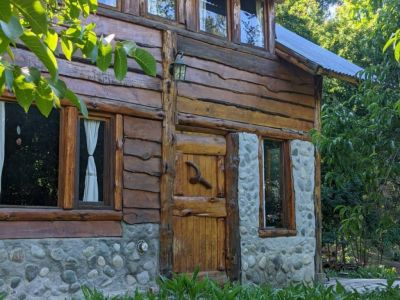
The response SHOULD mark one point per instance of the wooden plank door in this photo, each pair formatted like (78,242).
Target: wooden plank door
(199,209)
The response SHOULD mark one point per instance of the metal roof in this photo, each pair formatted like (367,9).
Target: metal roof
(314,56)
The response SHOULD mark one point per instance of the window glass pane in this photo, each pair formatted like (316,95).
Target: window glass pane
(30,171)
(108,2)
(162,8)
(252,22)
(90,177)
(213,17)
(273,183)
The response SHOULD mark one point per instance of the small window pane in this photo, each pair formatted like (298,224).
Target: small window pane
(112,3)
(252,22)
(213,17)
(162,8)
(30,171)
(273,177)
(96,174)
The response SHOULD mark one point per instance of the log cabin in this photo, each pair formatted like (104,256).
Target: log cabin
(208,165)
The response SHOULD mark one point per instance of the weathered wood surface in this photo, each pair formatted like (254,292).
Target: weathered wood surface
(199,206)
(144,129)
(201,144)
(141,181)
(141,199)
(59,229)
(151,166)
(143,149)
(24,214)
(139,216)
(119,162)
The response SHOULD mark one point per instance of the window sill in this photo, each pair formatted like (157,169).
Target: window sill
(279,232)
(31,214)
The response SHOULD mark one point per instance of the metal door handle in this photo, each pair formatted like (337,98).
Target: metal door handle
(198,178)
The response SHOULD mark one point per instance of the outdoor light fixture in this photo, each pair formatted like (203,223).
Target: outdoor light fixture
(178,68)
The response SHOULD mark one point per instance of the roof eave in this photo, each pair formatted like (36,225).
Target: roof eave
(309,66)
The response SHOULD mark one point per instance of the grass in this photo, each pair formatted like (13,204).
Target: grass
(182,287)
(369,272)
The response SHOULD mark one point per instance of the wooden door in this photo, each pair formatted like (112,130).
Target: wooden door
(199,210)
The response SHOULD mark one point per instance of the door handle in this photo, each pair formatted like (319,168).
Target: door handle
(197,178)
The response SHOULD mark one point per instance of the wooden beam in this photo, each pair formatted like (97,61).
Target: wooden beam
(119,161)
(141,216)
(270,30)
(168,153)
(233,261)
(26,214)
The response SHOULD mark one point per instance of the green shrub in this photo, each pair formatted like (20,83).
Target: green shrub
(369,272)
(183,287)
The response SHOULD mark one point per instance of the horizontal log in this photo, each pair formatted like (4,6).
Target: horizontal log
(24,214)
(194,91)
(233,58)
(143,149)
(199,206)
(126,30)
(141,216)
(143,182)
(59,229)
(151,166)
(121,93)
(144,129)
(303,85)
(141,199)
(201,144)
(241,87)
(232,113)
(229,126)
(265,233)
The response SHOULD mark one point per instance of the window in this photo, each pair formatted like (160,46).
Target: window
(63,161)
(29,147)
(213,17)
(252,22)
(93,170)
(112,3)
(277,203)
(162,8)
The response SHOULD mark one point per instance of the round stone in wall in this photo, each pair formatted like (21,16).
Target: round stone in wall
(101,261)
(69,276)
(143,277)
(31,271)
(15,282)
(17,255)
(88,251)
(117,261)
(57,254)
(37,252)
(93,274)
(130,280)
(44,271)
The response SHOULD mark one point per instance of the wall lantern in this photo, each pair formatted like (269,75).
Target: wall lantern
(178,67)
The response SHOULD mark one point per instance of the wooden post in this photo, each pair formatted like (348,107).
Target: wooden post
(318,212)
(233,263)
(270,30)
(119,161)
(168,155)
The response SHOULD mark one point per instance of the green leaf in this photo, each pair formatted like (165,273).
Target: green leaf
(84,4)
(59,88)
(34,12)
(93,5)
(120,62)
(145,60)
(9,78)
(23,91)
(78,102)
(129,46)
(51,39)
(2,79)
(44,98)
(104,56)
(67,47)
(42,52)
(397,52)
(12,29)
(5,10)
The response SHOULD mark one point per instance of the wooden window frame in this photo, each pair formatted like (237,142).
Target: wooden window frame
(288,202)
(66,209)
(179,12)
(118,7)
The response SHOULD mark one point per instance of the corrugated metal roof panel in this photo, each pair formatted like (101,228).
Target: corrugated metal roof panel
(314,53)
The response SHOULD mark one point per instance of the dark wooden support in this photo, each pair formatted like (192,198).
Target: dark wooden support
(233,263)
(119,162)
(168,155)
(270,30)
(317,192)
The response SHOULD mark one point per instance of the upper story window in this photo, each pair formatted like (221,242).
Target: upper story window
(162,8)
(277,200)
(252,22)
(213,17)
(112,3)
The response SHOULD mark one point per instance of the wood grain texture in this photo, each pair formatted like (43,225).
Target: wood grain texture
(199,206)
(233,255)
(141,216)
(131,7)
(232,113)
(144,129)
(200,144)
(141,199)
(26,214)
(140,181)
(151,166)
(191,16)
(143,149)
(59,229)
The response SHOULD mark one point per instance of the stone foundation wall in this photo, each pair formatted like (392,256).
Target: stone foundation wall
(56,268)
(282,260)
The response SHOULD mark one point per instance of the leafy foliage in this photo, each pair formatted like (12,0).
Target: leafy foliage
(183,287)
(50,29)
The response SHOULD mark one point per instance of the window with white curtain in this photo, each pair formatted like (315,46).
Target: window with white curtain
(252,22)
(94,167)
(29,156)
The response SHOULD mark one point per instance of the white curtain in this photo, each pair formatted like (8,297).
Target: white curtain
(91,192)
(152,7)
(203,14)
(2,136)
